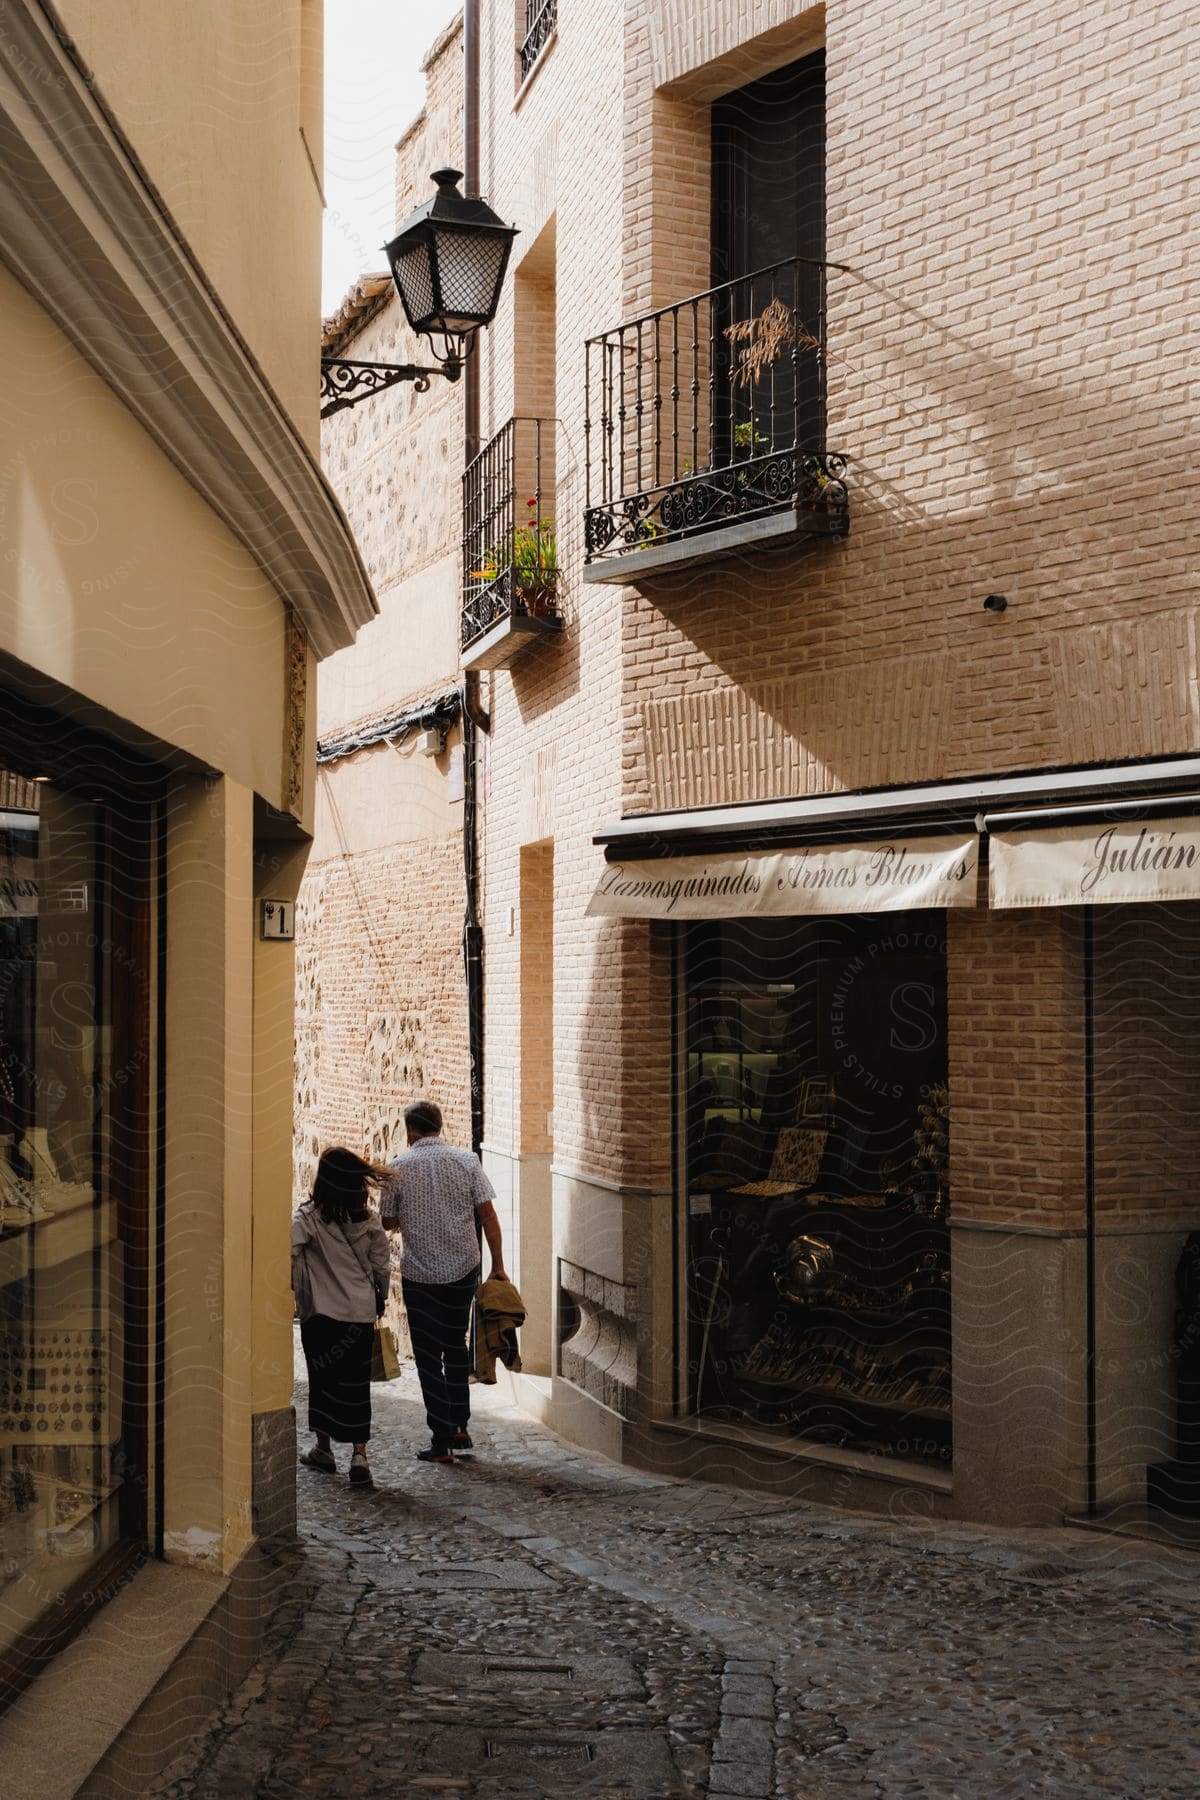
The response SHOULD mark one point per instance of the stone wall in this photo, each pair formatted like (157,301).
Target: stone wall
(381,1012)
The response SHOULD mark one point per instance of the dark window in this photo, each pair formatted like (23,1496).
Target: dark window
(768,180)
(817,1182)
(75,987)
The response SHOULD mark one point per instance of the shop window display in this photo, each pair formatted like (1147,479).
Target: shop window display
(67,1259)
(817,1176)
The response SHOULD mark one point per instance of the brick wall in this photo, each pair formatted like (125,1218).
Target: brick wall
(1010,385)
(555,165)
(1009,366)
(1016,1066)
(381,1002)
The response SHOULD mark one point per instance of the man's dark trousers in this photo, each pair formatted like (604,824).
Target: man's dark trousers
(438,1316)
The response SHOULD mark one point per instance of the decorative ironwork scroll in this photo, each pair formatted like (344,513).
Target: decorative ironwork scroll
(346,383)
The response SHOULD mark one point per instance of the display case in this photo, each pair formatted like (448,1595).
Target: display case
(72,1021)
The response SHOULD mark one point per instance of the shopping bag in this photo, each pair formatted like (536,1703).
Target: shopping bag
(385,1358)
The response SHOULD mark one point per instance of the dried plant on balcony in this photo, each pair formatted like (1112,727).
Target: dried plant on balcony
(765,337)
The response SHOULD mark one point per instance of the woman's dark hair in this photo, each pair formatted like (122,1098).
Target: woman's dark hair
(340,1189)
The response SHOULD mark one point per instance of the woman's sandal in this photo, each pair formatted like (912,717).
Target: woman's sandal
(319,1459)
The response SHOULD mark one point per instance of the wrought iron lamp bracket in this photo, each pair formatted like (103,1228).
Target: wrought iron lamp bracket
(345,383)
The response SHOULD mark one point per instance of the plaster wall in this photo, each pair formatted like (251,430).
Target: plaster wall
(126,605)
(209,1376)
(408,653)
(223,105)
(116,579)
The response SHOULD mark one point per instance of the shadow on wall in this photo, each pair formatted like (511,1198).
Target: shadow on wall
(829,667)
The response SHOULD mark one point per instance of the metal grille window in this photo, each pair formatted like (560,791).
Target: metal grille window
(510,553)
(541,17)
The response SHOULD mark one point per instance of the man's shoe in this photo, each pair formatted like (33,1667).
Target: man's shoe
(435,1456)
(360,1470)
(461,1441)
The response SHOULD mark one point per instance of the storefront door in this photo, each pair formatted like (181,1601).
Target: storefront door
(75,987)
(816,1178)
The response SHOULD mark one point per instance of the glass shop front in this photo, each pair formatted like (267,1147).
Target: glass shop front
(816,1119)
(74,990)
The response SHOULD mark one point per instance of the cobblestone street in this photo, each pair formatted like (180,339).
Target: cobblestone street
(536,1622)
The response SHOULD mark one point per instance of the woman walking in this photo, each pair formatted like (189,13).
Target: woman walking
(341,1271)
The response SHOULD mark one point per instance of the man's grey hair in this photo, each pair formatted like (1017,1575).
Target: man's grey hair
(423,1117)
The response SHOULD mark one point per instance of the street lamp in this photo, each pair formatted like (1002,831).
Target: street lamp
(448,263)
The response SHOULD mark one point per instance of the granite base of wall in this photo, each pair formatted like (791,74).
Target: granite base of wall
(1019,1313)
(273,1475)
(600,1355)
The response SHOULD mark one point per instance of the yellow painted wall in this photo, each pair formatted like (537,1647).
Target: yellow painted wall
(116,579)
(209,1298)
(279,866)
(222,102)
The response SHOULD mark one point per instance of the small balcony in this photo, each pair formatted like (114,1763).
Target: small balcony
(510,554)
(541,17)
(705,427)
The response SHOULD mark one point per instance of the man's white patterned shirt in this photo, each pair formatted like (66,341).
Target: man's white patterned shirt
(433,1197)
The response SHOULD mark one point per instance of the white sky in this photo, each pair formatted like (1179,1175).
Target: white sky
(373,89)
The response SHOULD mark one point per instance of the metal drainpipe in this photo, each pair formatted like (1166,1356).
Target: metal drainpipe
(472,712)
(1089,1182)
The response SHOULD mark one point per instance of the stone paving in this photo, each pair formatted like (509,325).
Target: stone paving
(538,1622)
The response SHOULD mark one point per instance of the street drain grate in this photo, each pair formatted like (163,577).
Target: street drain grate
(515,1666)
(1047,1571)
(463,1578)
(540,1749)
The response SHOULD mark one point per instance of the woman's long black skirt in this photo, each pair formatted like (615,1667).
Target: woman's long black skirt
(338,1354)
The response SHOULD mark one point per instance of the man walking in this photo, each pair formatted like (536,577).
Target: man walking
(435,1196)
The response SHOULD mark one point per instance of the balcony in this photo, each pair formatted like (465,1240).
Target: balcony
(541,17)
(704,428)
(510,556)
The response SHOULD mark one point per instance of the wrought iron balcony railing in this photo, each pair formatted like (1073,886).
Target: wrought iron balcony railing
(510,555)
(712,412)
(541,16)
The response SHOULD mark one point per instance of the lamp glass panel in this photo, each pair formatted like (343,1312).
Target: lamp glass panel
(412,268)
(471,267)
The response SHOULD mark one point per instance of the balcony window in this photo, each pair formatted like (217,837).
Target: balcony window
(510,550)
(541,17)
(707,417)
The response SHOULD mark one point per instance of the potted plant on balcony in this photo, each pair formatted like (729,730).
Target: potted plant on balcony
(535,564)
(530,556)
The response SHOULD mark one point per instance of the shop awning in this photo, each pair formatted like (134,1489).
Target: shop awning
(887,876)
(1101,863)
(953,806)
